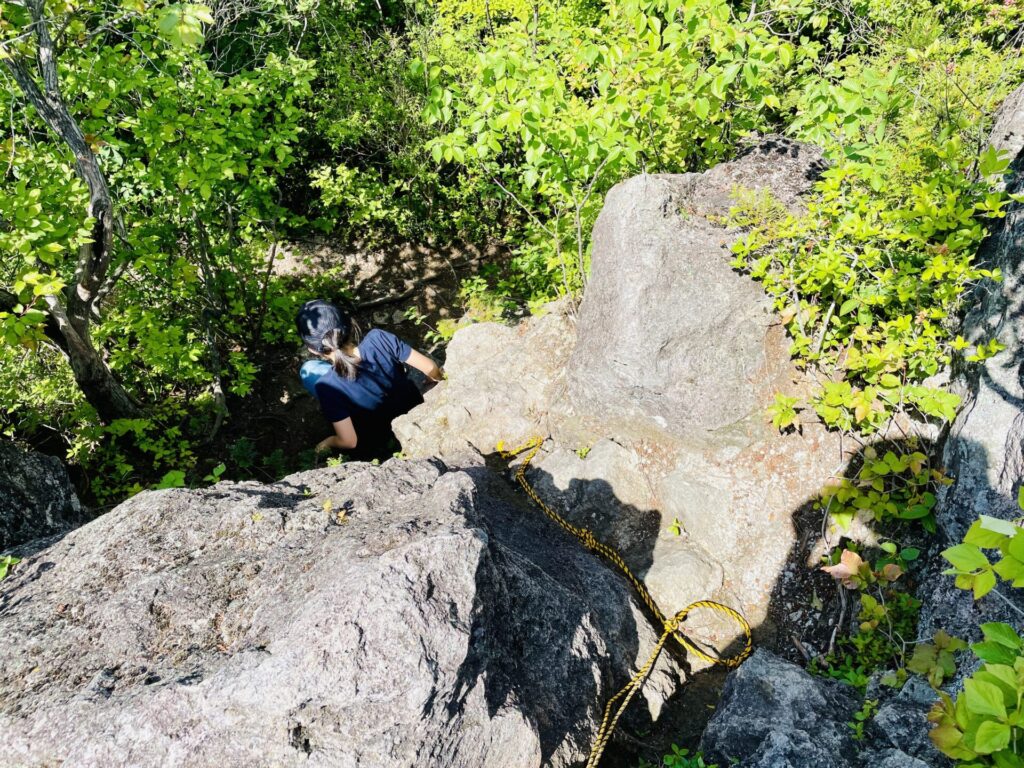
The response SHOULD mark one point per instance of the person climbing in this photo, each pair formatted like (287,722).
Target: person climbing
(361,385)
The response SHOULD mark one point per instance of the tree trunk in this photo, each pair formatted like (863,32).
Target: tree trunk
(71,315)
(99,385)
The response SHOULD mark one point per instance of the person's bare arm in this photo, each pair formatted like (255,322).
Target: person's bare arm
(421,362)
(343,439)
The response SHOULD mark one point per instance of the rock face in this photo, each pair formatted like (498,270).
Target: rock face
(402,615)
(667,331)
(901,725)
(36,497)
(502,384)
(985,449)
(654,398)
(773,714)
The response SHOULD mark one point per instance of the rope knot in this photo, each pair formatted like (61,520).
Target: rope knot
(671,625)
(587,539)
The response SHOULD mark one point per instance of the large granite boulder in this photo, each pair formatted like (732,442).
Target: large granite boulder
(984,452)
(667,330)
(402,615)
(36,497)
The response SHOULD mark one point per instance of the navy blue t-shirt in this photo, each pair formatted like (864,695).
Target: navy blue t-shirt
(380,391)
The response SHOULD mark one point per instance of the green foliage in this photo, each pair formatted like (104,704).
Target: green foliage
(935,660)
(680,758)
(983,726)
(129,455)
(867,284)
(861,718)
(870,280)
(215,474)
(6,563)
(886,629)
(783,411)
(551,113)
(893,486)
(972,567)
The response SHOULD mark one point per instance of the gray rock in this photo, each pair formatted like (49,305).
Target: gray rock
(502,384)
(1008,131)
(891,758)
(984,451)
(663,297)
(437,623)
(36,497)
(668,332)
(901,722)
(773,714)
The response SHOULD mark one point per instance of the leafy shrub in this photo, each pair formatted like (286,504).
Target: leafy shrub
(888,487)
(868,284)
(972,567)
(983,726)
(551,114)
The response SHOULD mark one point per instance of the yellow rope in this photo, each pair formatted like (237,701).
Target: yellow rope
(670,625)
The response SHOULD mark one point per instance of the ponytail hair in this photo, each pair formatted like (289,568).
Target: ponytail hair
(338,346)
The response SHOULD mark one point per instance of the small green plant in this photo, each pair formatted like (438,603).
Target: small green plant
(173,479)
(892,486)
(935,660)
(681,758)
(215,473)
(783,411)
(861,718)
(984,726)
(886,628)
(583,451)
(6,563)
(676,527)
(971,565)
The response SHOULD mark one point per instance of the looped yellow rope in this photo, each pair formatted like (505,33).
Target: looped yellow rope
(671,625)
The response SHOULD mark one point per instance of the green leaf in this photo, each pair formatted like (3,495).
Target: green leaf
(1004,634)
(966,557)
(173,479)
(984,583)
(984,698)
(991,737)
(993,653)
(984,536)
(1017,545)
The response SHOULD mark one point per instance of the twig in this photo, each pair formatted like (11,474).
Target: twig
(1006,600)
(800,647)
